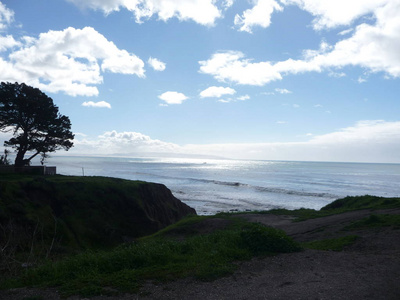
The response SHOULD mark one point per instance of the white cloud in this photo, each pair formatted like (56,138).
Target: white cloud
(337,74)
(100,104)
(70,61)
(232,66)
(377,131)
(7,42)
(240,98)
(375,48)
(243,98)
(76,134)
(173,97)
(333,13)
(204,12)
(6,16)
(366,141)
(156,64)
(113,142)
(282,91)
(217,92)
(259,15)
(346,31)
(227,3)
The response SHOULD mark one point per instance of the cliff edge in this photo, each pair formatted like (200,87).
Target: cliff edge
(83,212)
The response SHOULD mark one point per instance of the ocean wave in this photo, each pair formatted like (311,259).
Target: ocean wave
(268,189)
(261,189)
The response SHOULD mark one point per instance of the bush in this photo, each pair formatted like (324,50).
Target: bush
(261,240)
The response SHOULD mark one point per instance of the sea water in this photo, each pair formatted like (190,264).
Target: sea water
(212,186)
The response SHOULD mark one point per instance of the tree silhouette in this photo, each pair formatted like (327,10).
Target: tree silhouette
(37,125)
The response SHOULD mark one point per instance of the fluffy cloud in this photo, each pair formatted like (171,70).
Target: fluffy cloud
(6,16)
(113,142)
(259,15)
(333,13)
(373,47)
(217,92)
(7,42)
(232,66)
(100,104)
(70,61)
(173,97)
(156,64)
(204,12)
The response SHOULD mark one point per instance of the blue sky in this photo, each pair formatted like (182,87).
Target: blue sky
(257,79)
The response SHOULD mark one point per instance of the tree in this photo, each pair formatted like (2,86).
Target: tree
(37,125)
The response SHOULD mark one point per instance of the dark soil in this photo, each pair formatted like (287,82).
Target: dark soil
(368,269)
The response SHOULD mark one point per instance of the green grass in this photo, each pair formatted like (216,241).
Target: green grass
(362,202)
(89,212)
(184,227)
(337,244)
(376,221)
(339,206)
(33,298)
(124,269)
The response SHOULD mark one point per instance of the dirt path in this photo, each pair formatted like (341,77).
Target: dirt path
(314,229)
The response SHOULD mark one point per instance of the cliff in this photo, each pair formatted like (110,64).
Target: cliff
(82,212)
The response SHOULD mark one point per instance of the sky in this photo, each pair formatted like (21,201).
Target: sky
(303,80)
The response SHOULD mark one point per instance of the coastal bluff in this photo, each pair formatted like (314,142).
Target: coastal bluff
(83,212)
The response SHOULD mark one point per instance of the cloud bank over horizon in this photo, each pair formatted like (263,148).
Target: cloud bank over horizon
(367,141)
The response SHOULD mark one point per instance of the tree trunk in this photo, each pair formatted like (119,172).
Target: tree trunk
(19,159)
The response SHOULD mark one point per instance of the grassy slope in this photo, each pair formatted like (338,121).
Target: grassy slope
(85,212)
(159,257)
(349,203)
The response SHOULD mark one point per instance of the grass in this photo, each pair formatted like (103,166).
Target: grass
(124,269)
(339,206)
(337,244)
(376,221)
(83,212)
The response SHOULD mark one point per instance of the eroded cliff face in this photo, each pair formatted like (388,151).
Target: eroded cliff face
(85,212)
(161,206)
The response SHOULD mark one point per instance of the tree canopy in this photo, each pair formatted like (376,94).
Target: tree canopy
(37,125)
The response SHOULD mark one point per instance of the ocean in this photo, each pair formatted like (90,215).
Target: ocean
(211,186)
